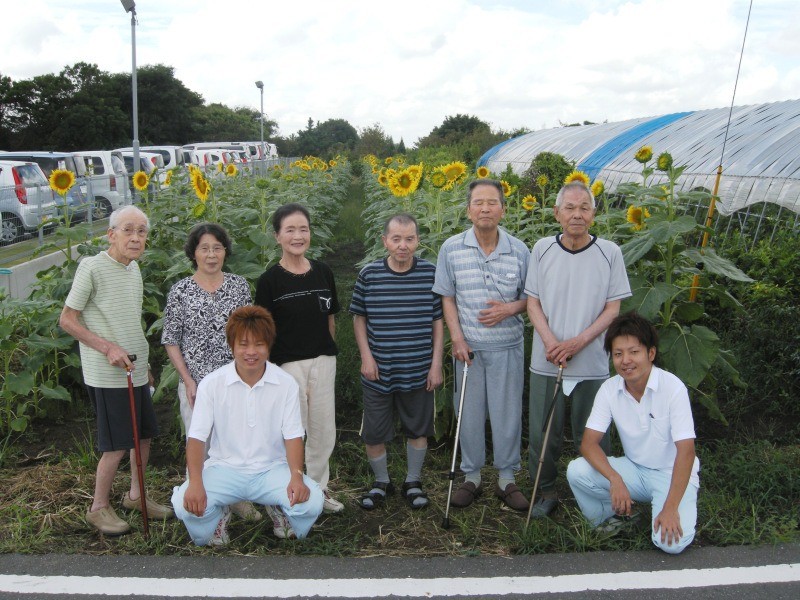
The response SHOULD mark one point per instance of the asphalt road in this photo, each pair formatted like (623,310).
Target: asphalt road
(714,573)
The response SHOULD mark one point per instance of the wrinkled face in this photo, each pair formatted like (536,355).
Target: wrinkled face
(250,353)
(632,360)
(127,240)
(401,242)
(485,208)
(576,213)
(209,254)
(294,236)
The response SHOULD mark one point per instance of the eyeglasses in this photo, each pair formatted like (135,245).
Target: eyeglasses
(482,203)
(211,249)
(128,231)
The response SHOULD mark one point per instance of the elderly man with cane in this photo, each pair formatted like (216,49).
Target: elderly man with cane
(575,284)
(480,274)
(103,311)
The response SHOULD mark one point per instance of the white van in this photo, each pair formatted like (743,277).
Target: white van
(105,169)
(172,155)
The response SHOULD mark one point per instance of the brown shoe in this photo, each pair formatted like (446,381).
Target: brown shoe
(106,521)
(465,495)
(154,509)
(512,497)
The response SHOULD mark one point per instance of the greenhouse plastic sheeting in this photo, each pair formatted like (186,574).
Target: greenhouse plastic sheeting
(761,161)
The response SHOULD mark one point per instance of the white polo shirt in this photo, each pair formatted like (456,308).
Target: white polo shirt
(647,429)
(247,425)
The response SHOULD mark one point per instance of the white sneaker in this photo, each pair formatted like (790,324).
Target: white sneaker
(246,511)
(221,537)
(331,504)
(280,524)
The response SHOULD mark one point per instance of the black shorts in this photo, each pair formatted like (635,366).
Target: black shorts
(112,407)
(415,409)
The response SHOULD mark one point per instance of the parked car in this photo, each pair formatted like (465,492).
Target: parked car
(106,171)
(155,160)
(26,200)
(75,203)
(144,165)
(172,155)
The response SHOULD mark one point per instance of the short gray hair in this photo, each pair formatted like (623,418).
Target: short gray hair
(491,183)
(401,219)
(117,215)
(575,185)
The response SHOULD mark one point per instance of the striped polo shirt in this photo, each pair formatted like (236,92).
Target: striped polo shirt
(109,295)
(400,309)
(463,271)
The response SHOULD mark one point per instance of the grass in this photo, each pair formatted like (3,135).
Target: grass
(750,491)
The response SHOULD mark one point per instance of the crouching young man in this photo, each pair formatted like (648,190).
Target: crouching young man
(651,411)
(250,410)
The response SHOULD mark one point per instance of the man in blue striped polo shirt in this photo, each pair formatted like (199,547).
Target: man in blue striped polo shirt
(480,274)
(399,331)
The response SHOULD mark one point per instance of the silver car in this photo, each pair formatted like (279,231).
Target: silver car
(26,200)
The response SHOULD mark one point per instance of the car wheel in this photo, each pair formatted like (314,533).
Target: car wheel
(102,208)
(11,229)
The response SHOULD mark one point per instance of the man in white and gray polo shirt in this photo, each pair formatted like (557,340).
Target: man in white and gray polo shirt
(480,275)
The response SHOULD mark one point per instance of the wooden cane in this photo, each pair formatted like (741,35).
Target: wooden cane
(137,449)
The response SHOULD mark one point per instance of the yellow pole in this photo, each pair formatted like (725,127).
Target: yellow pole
(709,219)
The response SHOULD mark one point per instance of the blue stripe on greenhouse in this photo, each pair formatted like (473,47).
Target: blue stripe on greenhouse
(491,152)
(609,151)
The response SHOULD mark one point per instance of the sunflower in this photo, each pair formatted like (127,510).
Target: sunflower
(644,154)
(403,183)
(231,170)
(331,163)
(387,160)
(141,180)
(508,189)
(598,187)
(201,187)
(168,178)
(454,171)
(438,179)
(636,215)
(664,162)
(219,167)
(482,172)
(383,179)
(529,201)
(542,181)
(415,170)
(577,176)
(61,180)
(192,170)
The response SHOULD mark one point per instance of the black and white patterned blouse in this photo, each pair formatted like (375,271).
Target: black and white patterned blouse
(194,320)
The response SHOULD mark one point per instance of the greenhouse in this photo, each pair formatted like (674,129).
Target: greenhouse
(761,161)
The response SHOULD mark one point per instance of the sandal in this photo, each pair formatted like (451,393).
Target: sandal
(412,491)
(376,496)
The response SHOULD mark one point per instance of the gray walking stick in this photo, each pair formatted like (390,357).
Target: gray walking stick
(452,476)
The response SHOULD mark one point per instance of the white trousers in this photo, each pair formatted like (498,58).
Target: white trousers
(317,380)
(591,490)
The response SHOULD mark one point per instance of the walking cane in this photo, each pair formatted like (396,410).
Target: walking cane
(452,476)
(544,441)
(137,449)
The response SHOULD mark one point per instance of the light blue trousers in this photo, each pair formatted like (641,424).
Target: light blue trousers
(225,486)
(591,490)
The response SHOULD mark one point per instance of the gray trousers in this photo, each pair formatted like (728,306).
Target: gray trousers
(541,395)
(494,387)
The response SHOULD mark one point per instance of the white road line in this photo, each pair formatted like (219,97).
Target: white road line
(383,588)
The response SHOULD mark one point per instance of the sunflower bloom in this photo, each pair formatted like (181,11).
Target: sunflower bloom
(61,180)
(598,187)
(454,171)
(636,216)
(168,178)
(231,170)
(577,176)
(201,187)
(542,181)
(141,180)
(415,170)
(482,172)
(387,160)
(508,189)
(383,179)
(403,183)
(529,202)
(664,162)
(331,163)
(644,154)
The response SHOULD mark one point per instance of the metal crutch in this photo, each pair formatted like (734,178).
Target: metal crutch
(452,476)
(137,449)
(544,441)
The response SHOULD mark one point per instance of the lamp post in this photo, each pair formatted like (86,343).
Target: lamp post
(260,86)
(130,6)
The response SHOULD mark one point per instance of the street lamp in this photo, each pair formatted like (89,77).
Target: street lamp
(260,86)
(130,6)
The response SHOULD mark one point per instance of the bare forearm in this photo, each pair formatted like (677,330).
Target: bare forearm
(438,343)
(681,472)
(539,321)
(601,323)
(295,456)
(195,456)
(332,326)
(451,318)
(176,358)
(70,323)
(360,332)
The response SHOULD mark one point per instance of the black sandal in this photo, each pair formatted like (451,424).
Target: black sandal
(373,498)
(412,496)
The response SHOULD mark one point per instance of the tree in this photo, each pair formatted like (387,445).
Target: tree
(326,139)
(373,140)
(453,130)
(217,122)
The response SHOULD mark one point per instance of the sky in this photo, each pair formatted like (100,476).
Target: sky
(406,66)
